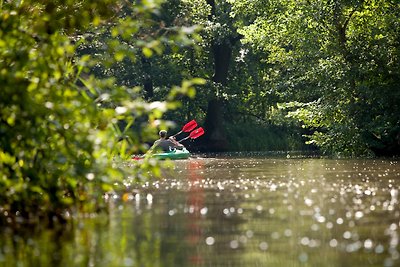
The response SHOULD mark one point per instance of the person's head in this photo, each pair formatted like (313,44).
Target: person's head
(163,134)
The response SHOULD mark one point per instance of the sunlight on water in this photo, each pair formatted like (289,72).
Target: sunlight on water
(323,212)
(244,212)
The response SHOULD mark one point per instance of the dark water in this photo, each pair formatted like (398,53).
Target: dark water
(236,212)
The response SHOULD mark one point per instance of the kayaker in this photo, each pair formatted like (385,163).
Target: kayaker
(166,144)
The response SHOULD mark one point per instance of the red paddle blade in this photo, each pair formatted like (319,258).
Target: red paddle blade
(189,126)
(197,133)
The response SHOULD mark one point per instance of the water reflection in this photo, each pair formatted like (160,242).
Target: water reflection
(237,212)
(195,209)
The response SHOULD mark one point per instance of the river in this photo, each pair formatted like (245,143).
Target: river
(235,211)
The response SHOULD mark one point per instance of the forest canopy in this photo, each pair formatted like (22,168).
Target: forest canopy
(285,75)
(335,66)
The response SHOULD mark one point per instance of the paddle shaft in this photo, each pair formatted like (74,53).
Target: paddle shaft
(195,134)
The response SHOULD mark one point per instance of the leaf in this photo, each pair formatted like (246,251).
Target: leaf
(119,55)
(147,51)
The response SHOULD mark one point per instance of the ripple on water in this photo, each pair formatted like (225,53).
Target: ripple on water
(334,207)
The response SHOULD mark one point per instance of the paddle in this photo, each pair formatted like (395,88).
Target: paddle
(188,127)
(195,134)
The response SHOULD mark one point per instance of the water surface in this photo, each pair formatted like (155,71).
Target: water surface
(235,212)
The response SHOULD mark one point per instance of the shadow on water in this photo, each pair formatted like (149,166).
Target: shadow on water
(224,210)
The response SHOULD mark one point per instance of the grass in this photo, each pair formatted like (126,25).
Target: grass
(253,137)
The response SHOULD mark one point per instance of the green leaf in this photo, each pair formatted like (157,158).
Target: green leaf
(147,51)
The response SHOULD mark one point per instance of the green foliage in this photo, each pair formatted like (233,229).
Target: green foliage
(334,63)
(59,130)
(337,61)
(249,136)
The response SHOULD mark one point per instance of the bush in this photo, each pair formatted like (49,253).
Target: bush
(254,137)
(58,130)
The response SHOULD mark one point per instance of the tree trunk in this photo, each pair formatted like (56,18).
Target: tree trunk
(148,88)
(215,133)
(222,57)
(215,137)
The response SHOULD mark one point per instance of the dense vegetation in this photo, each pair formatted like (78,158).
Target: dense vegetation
(325,73)
(77,77)
(59,129)
(330,66)
(335,65)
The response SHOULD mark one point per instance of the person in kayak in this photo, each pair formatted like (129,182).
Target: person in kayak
(166,144)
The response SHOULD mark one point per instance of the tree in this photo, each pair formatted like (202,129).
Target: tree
(58,130)
(221,47)
(336,65)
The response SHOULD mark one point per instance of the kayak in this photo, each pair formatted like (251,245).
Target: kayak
(175,154)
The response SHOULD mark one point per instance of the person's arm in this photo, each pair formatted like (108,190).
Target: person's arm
(176,143)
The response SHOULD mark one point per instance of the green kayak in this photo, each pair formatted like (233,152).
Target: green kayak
(176,154)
